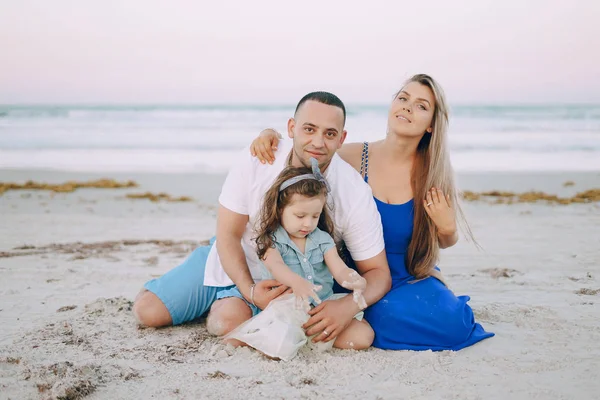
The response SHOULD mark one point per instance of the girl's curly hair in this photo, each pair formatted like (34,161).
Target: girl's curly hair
(275,201)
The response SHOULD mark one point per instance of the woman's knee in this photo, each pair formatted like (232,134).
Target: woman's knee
(227,314)
(150,311)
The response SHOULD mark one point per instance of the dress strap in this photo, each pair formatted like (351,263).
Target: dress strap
(364,162)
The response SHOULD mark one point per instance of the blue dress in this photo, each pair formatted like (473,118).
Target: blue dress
(425,315)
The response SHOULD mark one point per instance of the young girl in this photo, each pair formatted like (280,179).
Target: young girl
(295,244)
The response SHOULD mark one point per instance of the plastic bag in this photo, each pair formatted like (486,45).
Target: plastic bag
(277,330)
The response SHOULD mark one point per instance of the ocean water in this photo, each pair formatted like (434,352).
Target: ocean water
(209,138)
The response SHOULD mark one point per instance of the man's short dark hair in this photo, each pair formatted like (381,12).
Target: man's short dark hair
(323,97)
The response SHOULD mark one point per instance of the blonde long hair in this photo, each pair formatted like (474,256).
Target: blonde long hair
(431,168)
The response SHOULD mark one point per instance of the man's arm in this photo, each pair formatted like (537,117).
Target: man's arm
(230,229)
(377,273)
(335,315)
(379,281)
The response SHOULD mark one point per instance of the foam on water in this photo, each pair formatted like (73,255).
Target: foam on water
(209,138)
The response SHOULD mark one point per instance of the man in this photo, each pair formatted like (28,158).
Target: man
(205,280)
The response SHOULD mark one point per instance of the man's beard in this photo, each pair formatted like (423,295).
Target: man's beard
(306,163)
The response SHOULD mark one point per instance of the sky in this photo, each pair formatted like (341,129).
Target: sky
(271,51)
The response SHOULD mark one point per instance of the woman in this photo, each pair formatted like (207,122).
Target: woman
(413,185)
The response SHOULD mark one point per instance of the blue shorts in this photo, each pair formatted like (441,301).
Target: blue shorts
(183,292)
(233,291)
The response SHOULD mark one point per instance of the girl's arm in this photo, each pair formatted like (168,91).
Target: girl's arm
(346,276)
(301,287)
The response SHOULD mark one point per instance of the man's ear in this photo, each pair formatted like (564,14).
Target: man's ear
(343,138)
(290,126)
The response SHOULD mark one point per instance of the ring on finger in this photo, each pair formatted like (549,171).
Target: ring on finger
(428,204)
(325,333)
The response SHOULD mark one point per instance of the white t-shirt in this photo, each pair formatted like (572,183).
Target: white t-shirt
(355,216)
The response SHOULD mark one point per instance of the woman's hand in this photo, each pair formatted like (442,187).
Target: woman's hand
(438,207)
(264,145)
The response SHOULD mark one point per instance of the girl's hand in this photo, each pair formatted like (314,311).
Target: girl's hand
(354,281)
(264,145)
(304,291)
(357,284)
(438,207)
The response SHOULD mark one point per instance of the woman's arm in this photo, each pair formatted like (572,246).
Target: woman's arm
(447,239)
(264,145)
(352,154)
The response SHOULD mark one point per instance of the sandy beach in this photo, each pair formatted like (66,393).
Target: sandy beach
(72,263)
